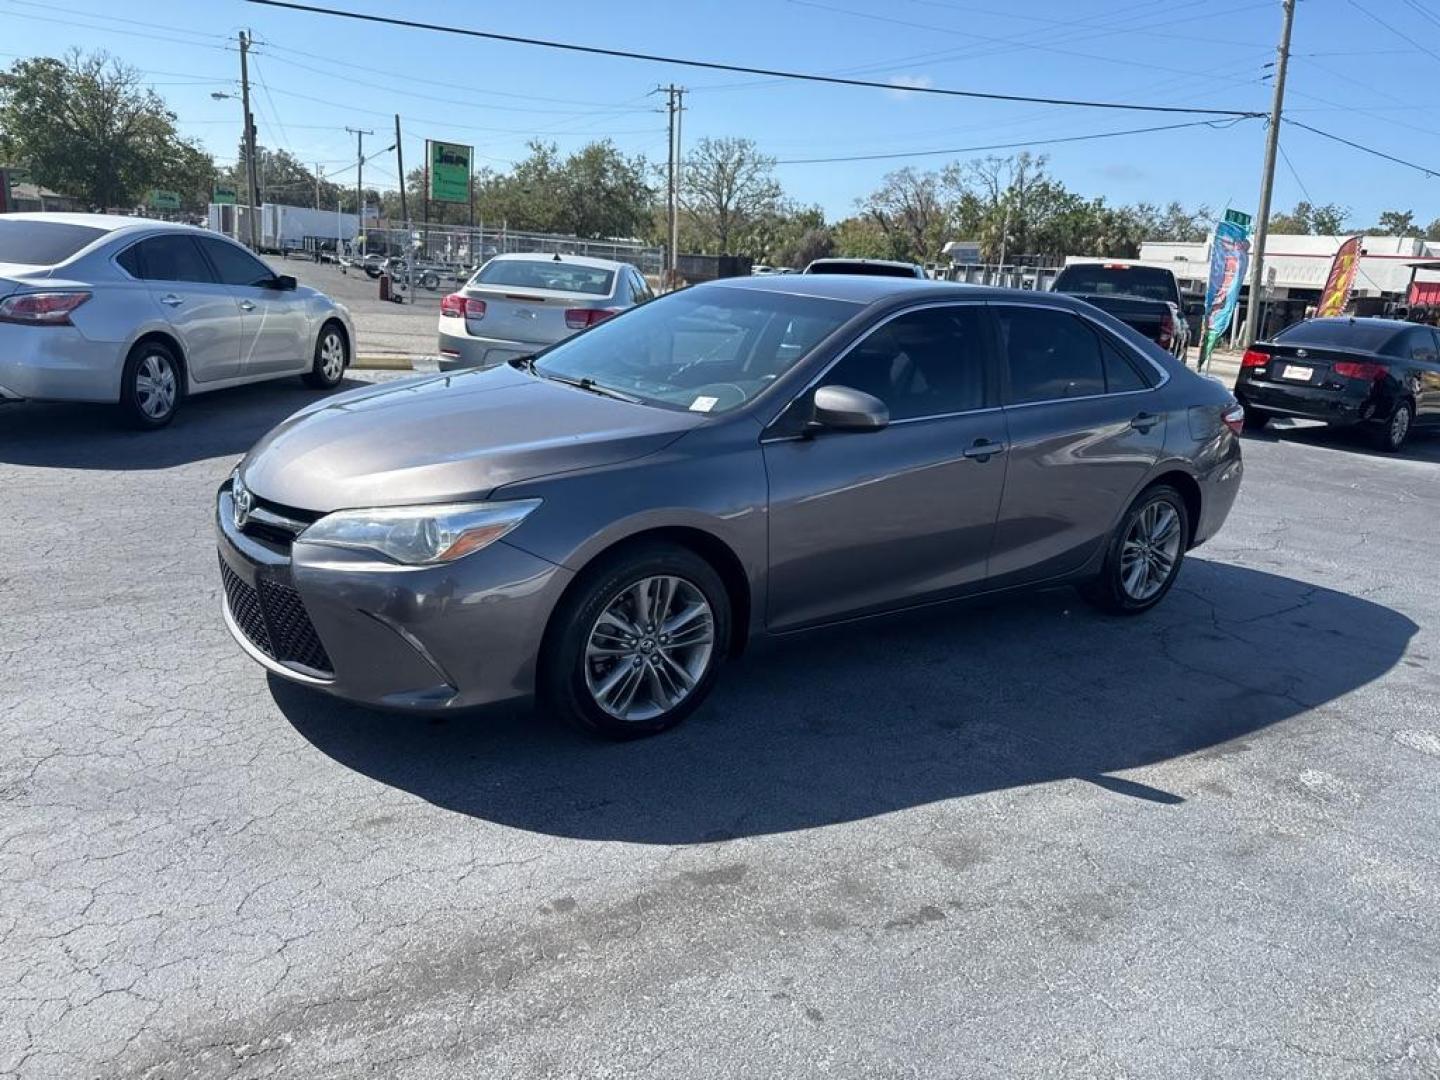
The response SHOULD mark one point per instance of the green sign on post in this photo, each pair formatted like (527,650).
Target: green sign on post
(449,171)
(1238,217)
(224,196)
(164,200)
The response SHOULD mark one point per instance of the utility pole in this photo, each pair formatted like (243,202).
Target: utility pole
(359,189)
(317,185)
(400,171)
(1267,179)
(250,200)
(674,98)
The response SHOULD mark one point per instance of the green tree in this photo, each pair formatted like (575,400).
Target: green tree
(726,185)
(85,125)
(1309,220)
(1395,223)
(909,208)
(282,177)
(1432,231)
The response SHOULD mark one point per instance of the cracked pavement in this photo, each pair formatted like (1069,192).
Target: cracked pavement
(1016,839)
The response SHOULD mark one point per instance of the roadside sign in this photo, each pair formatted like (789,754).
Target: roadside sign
(225,196)
(449,168)
(164,200)
(1238,217)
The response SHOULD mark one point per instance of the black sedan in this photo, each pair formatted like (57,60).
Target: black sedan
(1378,373)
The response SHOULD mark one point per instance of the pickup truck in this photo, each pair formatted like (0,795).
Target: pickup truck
(1144,297)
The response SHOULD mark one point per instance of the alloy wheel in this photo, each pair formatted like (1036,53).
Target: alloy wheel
(332,356)
(1150,550)
(156,385)
(1399,425)
(649,648)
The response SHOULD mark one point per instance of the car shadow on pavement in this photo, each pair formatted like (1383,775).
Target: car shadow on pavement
(1423,446)
(849,723)
(66,436)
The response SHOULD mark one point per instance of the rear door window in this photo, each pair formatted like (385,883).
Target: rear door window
(1419,344)
(173,258)
(43,243)
(235,265)
(1121,375)
(1051,355)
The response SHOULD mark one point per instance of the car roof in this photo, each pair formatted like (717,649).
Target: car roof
(110,223)
(831,260)
(1347,320)
(550,256)
(871,289)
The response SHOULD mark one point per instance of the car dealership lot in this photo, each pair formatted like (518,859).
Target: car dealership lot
(1011,840)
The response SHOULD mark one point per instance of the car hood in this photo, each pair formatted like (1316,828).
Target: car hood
(448,437)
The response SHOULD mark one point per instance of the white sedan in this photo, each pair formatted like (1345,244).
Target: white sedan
(141,314)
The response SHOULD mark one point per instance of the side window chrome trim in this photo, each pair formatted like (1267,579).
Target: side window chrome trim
(1109,336)
(873,328)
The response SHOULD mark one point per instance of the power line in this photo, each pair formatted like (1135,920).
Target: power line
(1394,30)
(1365,149)
(711,65)
(1217,125)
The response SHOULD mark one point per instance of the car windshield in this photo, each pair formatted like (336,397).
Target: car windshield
(546,274)
(43,243)
(1340,333)
(1149,282)
(707,350)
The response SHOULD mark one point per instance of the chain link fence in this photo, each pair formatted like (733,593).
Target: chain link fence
(452,249)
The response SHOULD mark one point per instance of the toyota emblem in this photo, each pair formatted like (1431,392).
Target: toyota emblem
(243,501)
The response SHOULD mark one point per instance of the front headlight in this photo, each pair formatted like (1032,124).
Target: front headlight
(420,535)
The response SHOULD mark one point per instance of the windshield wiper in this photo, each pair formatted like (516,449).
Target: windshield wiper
(587,384)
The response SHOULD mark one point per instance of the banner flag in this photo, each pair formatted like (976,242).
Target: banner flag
(1229,259)
(1336,293)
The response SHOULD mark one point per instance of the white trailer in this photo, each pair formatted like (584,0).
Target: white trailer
(286,228)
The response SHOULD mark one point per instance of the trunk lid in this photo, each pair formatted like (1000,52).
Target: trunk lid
(1305,365)
(515,313)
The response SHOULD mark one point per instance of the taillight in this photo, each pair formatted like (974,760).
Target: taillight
(1167,329)
(580,318)
(459,306)
(1254,358)
(41,308)
(1359,369)
(1234,418)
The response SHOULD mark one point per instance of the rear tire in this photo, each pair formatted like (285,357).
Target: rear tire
(1392,435)
(151,385)
(1256,421)
(1144,555)
(637,645)
(332,357)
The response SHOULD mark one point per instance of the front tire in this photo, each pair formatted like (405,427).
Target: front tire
(636,647)
(151,385)
(1144,556)
(332,356)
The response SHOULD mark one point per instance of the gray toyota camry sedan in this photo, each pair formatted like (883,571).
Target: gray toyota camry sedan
(602,524)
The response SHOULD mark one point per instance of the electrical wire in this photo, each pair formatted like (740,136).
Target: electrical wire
(1397,32)
(1364,149)
(1215,124)
(711,65)
(970,12)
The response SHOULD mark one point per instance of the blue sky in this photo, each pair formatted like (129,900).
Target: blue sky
(314,76)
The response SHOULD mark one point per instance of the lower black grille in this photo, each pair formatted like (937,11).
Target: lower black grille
(275,621)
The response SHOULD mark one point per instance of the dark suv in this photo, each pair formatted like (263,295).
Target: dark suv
(1379,373)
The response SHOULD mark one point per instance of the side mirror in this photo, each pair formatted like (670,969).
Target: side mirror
(839,408)
(283,282)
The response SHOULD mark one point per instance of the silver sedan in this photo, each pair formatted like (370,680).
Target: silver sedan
(519,304)
(139,313)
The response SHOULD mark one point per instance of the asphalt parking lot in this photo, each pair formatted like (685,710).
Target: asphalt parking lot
(1014,840)
(385,331)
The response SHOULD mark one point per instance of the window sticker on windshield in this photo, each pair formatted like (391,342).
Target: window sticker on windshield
(703,404)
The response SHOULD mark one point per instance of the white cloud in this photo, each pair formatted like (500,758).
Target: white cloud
(918,81)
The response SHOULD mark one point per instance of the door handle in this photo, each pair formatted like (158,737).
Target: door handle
(984,449)
(1144,422)
(247,305)
(171,300)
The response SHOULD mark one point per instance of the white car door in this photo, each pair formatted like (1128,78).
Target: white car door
(276,323)
(203,313)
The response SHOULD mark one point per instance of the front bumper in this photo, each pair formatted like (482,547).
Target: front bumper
(414,639)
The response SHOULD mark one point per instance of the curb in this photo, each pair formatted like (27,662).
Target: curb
(382,363)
